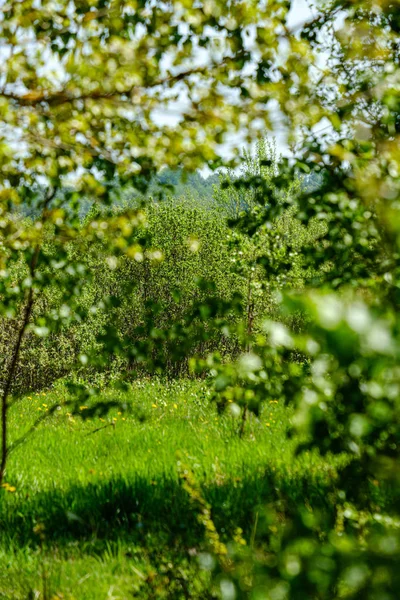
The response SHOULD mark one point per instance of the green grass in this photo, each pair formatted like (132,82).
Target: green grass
(95,509)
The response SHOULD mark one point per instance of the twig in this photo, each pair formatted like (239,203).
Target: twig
(100,428)
(254,530)
(243,423)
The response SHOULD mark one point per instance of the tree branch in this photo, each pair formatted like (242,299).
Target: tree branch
(34,97)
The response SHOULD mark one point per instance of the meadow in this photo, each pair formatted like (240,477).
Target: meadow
(199,341)
(95,508)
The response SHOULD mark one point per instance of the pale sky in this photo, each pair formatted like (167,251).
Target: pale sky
(299,13)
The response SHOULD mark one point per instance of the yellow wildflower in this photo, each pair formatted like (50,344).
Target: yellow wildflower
(8,487)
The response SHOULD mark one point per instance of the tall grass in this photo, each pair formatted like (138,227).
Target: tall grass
(94,508)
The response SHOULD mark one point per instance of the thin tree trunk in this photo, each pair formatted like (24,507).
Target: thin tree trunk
(250,316)
(15,354)
(9,380)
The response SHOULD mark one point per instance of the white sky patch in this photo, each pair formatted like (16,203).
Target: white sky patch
(300,13)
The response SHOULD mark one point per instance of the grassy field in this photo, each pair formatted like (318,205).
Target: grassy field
(95,509)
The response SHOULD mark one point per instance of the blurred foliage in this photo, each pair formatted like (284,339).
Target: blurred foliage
(82,89)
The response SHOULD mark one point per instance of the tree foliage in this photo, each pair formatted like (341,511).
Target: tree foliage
(81,87)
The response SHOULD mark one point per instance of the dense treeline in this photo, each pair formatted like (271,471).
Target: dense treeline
(183,245)
(183,252)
